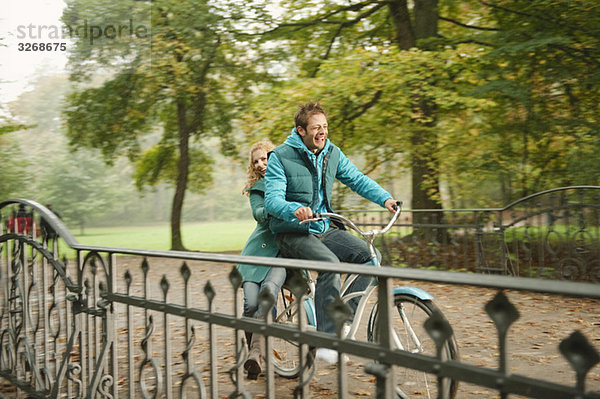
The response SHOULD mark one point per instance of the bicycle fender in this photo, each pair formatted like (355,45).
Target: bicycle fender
(311,314)
(414,291)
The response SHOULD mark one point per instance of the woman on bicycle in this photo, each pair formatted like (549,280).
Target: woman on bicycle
(261,243)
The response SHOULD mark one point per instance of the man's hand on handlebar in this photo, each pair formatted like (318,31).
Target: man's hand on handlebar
(392,205)
(303,213)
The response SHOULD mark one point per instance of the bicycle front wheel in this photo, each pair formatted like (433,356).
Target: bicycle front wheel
(409,334)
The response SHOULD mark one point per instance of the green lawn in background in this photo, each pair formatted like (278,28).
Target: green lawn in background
(204,237)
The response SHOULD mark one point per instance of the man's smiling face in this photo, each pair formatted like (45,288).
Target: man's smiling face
(315,134)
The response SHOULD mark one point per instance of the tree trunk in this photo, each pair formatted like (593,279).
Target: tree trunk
(182,177)
(425,186)
(425,174)
(405,36)
(426,19)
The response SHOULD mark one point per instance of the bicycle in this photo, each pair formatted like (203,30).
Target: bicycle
(414,306)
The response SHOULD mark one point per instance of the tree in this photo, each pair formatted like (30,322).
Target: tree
(40,167)
(81,187)
(538,64)
(181,77)
(379,133)
(15,179)
(335,29)
(320,34)
(543,75)
(43,140)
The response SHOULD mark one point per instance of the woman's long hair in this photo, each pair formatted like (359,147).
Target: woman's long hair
(251,173)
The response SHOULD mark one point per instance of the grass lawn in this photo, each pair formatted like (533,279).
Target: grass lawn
(204,237)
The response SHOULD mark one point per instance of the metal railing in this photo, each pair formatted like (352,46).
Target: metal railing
(118,322)
(552,234)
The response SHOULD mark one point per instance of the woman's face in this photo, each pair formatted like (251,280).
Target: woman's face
(259,161)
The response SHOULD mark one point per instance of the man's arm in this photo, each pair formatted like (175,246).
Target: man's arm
(275,189)
(363,185)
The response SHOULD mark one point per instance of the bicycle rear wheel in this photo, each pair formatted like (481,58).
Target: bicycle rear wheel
(409,316)
(285,353)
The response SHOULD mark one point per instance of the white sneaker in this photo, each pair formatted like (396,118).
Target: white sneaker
(346,331)
(327,355)
(330,356)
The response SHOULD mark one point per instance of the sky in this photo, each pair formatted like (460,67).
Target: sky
(23,24)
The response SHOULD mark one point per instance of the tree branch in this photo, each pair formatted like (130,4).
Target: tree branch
(466,25)
(356,8)
(466,41)
(365,107)
(585,56)
(552,21)
(325,18)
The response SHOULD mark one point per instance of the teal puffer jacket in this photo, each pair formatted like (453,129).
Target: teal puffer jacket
(296,177)
(262,240)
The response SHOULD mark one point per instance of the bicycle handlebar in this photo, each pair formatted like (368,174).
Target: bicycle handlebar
(372,233)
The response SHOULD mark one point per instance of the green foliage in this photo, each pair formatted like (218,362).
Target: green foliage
(158,164)
(389,108)
(9,128)
(533,63)
(15,179)
(511,102)
(155,160)
(79,187)
(369,97)
(31,158)
(39,166)
(165,78)
(111,117)
(543,75)
(184,77)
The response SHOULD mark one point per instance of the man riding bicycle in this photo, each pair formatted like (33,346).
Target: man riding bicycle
(299,181)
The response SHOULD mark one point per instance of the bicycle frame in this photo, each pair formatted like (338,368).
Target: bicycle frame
(406,299)
(369,237)
(290,308)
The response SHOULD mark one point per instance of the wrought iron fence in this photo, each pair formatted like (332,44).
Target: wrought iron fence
(551,234)
(117,322)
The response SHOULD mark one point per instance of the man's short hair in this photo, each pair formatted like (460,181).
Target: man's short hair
(305,112)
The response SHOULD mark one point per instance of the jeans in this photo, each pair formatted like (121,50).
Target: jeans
(272,282)
(335,246)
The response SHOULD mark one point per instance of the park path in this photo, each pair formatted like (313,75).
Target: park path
(532,342)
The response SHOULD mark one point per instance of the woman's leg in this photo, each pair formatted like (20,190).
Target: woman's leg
(256,358)
(250,298)
(272,282)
